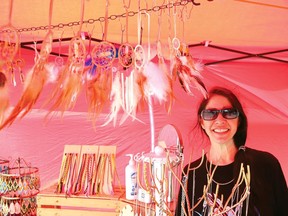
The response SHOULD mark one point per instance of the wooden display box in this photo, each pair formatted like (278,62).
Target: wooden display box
(53,201)
(50,204)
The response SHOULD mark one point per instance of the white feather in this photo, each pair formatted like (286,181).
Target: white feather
(117,102)
(157,82)
(132,98)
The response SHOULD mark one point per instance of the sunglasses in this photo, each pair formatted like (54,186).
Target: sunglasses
(212,114)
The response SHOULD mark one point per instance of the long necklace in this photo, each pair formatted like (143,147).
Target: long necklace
(209,171)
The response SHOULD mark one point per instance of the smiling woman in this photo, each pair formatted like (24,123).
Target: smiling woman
(229,179)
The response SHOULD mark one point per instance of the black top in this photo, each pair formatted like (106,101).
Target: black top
(268,188)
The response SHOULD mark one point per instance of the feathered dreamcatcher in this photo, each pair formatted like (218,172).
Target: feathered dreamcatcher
(130,90)
(124,92)
(9,44)
(99,85)
(35,80)
(9,40)
(70,79)
(183,66)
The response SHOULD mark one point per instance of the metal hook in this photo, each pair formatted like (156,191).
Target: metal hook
(197,4)
(102,31)
(122,31)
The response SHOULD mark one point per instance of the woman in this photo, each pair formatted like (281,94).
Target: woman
(230,179)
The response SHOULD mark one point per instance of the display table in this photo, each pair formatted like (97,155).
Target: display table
(49,203)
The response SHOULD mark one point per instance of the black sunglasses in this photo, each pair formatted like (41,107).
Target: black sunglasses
(212,114)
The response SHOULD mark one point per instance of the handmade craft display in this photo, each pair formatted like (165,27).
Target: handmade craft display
(156,179)
(126,50)
(98,90)
(87,170)
(183,66)
(19,186)
(70,79)
(19,207)
(9,44)
(126,55)
(136,80)
(36,79)
(157,174)
(9,40)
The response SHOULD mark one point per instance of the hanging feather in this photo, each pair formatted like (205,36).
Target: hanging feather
(98,92)
(4,96)
(187,77)
(34,83)
(157,83)
(139,88)
(169,86)
(65,97)
(117,102)
(70,81)
(132,95)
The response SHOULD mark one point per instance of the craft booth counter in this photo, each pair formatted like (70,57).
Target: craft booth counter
(88,184)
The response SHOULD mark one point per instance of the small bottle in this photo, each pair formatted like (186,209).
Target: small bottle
(131,179)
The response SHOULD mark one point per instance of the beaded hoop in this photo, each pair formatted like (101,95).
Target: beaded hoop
(9,43)
(139,56)
(103,54)
(126,55)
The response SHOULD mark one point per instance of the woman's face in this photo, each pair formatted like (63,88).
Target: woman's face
(220,130)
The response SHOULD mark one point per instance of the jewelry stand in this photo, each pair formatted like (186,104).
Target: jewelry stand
(158,178)
(20,184)
(85,185)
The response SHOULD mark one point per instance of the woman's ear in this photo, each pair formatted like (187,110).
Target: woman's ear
(201,123)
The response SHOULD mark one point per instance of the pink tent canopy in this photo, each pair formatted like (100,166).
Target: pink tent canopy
(246,51)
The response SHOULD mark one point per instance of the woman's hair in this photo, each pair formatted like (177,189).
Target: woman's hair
(241,134)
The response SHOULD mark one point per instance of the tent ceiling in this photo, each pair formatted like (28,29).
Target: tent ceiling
(238,23)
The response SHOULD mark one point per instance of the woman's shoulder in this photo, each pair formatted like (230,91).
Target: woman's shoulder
(262,157)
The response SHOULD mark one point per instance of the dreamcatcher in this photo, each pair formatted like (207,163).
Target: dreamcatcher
(122,91)
(99,86)
(126,50)
(70,79)
(36,78)
(183,66)
(9,40)
(166,85)
(9,44)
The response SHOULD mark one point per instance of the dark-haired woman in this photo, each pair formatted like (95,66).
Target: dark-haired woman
(230,179)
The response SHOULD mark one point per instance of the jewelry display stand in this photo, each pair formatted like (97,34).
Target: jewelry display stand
(156,175)
(85,185)
(20,185)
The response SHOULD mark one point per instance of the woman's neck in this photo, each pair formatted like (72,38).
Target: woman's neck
(221,154)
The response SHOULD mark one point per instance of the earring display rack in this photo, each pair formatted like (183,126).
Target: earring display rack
(19,186)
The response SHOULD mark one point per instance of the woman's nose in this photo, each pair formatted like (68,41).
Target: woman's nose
(220,117)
